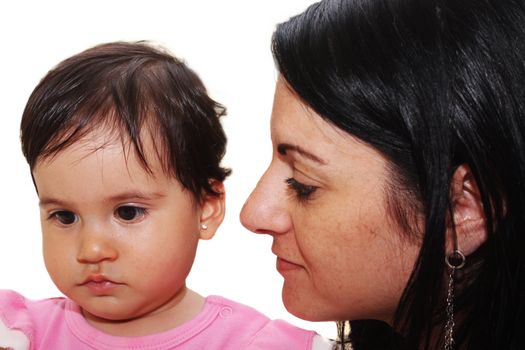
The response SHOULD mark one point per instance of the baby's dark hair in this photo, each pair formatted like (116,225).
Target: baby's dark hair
(129,87)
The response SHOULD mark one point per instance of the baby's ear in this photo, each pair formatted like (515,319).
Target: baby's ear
(212,210)
(467,213)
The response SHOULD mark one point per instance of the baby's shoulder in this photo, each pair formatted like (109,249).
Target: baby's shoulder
(237,316)
(20,317)
(259,331)
(15,321)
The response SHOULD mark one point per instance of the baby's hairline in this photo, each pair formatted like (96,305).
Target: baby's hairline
(146,159)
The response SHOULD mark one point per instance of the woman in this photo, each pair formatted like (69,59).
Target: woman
(396,191)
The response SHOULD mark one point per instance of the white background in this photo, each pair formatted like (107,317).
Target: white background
(227,43)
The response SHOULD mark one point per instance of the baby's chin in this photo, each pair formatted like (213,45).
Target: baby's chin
(108,314)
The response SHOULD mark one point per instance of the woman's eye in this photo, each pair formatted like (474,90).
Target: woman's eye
(130,213)
(64,217)
(301,190)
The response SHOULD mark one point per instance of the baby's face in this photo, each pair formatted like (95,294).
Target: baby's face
(117,240)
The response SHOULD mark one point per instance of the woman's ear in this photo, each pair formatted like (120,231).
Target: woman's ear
(212,210)
(467,213)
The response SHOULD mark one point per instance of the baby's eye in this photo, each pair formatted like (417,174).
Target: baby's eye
(130,213)
(64,217)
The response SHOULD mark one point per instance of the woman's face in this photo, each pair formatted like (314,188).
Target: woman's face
(323,201)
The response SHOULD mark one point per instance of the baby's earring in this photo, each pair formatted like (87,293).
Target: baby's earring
(204,226)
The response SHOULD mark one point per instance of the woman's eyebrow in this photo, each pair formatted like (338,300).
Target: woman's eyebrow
(282,148)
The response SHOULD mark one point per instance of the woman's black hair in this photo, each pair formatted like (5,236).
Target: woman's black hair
(431,84)
(130,88)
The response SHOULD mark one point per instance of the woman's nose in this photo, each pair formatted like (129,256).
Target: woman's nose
(96,246)
(265,210)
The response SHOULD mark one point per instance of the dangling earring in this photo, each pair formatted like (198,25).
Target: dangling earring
(455,261)
(343,335)
(204,226)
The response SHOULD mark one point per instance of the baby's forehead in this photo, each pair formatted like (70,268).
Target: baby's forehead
(104,141)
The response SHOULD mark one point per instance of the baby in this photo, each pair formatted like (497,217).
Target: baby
(124,146)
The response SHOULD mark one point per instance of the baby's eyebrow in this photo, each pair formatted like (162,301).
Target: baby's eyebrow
(119,197)
(135,195)
(46,201)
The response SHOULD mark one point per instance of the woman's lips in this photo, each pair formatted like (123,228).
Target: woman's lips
(284,265)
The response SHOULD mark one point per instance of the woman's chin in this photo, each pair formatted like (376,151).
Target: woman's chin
(305,308)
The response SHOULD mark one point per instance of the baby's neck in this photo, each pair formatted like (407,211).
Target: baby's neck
(184,307)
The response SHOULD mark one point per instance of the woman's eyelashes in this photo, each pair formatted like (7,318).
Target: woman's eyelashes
(130,213)
(302,192)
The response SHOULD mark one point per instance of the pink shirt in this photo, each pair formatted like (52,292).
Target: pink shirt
(222,324)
